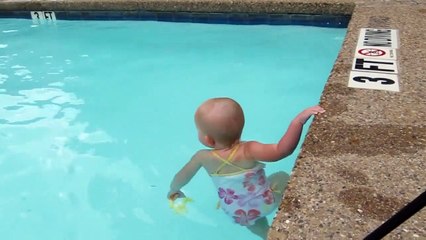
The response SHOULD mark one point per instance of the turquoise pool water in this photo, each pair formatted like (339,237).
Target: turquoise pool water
(96,118)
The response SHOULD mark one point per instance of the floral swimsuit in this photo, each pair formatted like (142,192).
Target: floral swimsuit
(244,195)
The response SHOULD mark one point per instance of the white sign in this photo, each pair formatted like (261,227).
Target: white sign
(377,81)
(383,38)
(375,65)
(375,52)
(43,17)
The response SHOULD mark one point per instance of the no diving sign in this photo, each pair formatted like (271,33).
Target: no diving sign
(375,64)
(383,38)
(371,52)
(376,53)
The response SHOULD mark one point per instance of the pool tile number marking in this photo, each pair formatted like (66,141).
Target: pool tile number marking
(375,63)
(40,17)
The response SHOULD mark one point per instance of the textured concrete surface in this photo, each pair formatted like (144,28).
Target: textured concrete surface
(365,157)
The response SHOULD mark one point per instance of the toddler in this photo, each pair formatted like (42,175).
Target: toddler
(236,167)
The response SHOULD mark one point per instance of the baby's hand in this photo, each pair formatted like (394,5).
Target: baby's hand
(174,195)
(307,113)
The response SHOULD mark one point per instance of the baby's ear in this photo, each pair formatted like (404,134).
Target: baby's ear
(210,141)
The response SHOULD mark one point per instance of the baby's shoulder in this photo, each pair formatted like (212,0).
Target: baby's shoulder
(203,157)
(202,154)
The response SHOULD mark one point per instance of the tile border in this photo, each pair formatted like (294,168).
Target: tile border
(335,21)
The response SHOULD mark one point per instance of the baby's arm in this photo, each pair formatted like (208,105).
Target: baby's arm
(288,142)
(184,176)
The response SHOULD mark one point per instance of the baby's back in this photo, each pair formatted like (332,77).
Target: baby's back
(227,161)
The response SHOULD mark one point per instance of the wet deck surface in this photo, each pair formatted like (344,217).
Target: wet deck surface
(363,159)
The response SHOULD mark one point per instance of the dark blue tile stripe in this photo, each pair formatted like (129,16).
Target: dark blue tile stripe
(220,18)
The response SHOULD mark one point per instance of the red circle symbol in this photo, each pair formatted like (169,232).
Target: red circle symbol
(371,52)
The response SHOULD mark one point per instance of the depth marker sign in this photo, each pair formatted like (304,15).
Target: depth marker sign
(377,81)
(375,63)
(40,17)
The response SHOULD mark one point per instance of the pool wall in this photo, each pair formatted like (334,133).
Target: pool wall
(365,157)
(280,6)
(319,20)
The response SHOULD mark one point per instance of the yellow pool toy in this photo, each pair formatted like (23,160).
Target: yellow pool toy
(179,204)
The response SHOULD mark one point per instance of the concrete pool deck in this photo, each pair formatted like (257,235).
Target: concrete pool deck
(363,159)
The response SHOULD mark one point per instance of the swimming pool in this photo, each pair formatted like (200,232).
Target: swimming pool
(95,119)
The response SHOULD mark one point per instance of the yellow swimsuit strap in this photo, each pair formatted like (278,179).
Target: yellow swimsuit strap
(228,160)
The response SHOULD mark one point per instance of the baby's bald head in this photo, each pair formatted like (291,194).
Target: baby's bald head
(221,119)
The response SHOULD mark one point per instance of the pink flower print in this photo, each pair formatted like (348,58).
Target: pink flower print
(248,182)
(252,199)
(268,197)
(261,177)
(253,179)
(227,195)
(244,218)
